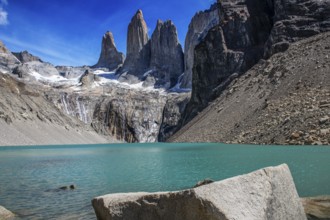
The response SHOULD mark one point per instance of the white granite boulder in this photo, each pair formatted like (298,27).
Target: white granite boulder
(5,213)
(268,193)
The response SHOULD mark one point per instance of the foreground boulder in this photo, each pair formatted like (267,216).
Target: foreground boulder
(317,207)
(5,213)
(264,194)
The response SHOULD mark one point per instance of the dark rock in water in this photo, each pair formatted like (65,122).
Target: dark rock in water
(72,187)
(204,182)
(64,188)
(200,24)
(25,57)
(137,38)
(110,58)
(166,54)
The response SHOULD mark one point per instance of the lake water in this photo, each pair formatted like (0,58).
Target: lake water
(29,176)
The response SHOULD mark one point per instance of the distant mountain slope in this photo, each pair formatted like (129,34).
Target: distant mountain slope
(28,118)
(284,100)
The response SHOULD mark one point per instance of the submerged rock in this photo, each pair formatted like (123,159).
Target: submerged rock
(5,213)
(268,193)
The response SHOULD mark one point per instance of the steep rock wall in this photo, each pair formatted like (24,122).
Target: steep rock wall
(228,50)
(109,58)
(200,24)
(249,30)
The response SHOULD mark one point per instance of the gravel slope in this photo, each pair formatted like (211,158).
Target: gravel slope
(283,100)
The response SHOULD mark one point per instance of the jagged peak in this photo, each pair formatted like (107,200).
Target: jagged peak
(159,22)
(109,36)
(138,15)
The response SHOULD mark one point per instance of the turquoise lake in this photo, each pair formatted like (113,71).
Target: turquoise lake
(30,176)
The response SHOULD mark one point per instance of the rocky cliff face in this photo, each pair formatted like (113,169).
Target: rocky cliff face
(129,115)
(25,57)
(171,115)
(137,38)
(166,54)
(157,62)
(295,20)
(7,60)
(110,58)
(228,50)
(70,72)
(248,31)
(200,24)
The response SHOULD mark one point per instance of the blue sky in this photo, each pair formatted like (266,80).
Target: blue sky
(69,32)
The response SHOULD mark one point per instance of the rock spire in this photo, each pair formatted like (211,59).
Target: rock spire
(137,38)
(166,52)
(110,58)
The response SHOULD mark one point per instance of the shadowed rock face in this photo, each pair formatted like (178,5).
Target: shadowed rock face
(137,38)
(249,30)
(200,24)
(268,193)
(110,58)
(25,57)
(231,47)
(166,53)
(295,20)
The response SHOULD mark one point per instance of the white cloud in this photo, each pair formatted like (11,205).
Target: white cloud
(3,17)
